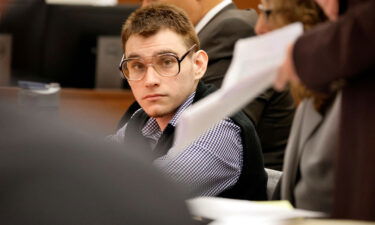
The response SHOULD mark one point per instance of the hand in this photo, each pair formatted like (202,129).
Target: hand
(286,72)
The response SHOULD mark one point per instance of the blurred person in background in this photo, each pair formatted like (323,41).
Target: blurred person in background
(335,52)
(308,172)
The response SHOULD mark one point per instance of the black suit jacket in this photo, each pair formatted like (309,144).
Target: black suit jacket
(218,37)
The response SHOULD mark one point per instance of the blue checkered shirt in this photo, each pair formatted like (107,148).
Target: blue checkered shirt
(208,166)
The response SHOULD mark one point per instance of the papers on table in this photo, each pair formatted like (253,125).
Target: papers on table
(253,70)
(230,211)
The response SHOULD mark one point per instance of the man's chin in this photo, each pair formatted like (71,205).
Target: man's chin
(155,113)
(159,113)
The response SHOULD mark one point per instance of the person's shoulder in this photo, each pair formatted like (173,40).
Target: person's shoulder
(231,22)
(247,16)
(242,120)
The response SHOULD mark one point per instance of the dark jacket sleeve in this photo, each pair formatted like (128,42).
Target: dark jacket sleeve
(338,50)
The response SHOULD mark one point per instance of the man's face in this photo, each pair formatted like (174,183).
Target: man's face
(191,7)
(160,96)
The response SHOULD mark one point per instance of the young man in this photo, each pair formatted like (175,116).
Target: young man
(163,65)
(219,24)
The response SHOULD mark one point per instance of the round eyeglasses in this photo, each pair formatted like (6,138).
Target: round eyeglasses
(166,64)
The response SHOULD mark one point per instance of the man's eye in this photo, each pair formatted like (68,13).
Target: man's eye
(167,61)
(137,66)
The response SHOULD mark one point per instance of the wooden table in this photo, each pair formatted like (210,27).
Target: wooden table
(98,109)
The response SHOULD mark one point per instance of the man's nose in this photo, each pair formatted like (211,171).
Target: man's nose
(152,78)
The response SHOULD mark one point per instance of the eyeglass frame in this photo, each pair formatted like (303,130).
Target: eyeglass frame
(179,60)
(264,10)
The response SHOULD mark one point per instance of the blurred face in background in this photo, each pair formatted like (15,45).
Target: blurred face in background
(275,14)
(191,7)
(264,22)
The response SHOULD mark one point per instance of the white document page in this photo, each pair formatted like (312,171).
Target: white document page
(232,211)
(253,70)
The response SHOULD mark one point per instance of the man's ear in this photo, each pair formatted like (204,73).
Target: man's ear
(200,60)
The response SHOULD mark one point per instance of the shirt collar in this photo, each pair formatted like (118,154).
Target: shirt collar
(210,14)
(151,128)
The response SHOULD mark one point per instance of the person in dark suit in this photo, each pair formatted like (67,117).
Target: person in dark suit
(52,174)
(219,24)
(343,50)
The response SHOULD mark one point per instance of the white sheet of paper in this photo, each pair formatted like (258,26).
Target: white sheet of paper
(253,70)
(259,52)
(232,211)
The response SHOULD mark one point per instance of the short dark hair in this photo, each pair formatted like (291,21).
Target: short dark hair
(147,21)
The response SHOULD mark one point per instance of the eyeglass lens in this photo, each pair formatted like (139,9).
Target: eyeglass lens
(165,65)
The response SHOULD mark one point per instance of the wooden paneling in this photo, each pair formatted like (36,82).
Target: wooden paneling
(95,109)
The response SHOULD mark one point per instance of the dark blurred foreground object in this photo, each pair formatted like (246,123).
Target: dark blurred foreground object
(54,175)
(345,50)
